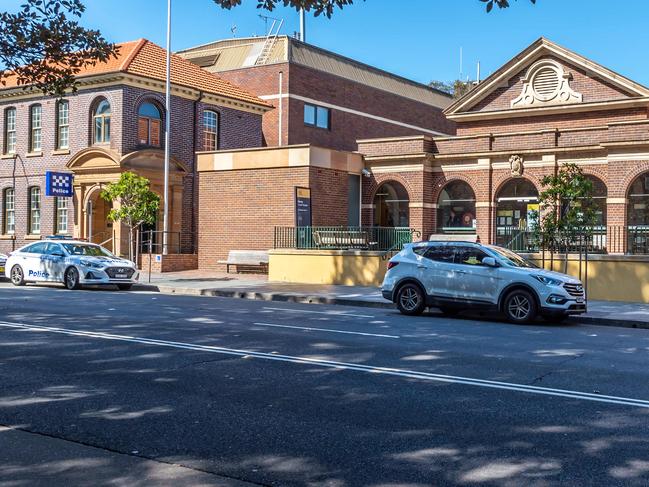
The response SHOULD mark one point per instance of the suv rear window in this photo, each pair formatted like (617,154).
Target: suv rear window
(441,253)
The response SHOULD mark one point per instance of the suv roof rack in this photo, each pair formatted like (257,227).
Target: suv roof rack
(443,237)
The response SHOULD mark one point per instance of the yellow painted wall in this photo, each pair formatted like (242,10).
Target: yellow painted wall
(610,278)
(349,268)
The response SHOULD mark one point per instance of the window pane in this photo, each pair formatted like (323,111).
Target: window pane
(64,137)
(10,222)
(149,110)
(210,130)
(99,124)
(106,130)
(442,253)
(63,118)
(322,118)
(61,215)
(35,123)
(103,108)
(470,256)
(309,114)
(34,210)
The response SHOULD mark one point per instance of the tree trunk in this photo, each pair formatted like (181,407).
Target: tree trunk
(130,243)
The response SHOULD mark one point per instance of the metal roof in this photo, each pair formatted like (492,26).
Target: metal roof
(239,53)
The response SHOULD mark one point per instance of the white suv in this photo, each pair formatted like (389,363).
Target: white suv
(458,276)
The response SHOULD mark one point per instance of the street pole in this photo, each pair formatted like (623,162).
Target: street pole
(165,213)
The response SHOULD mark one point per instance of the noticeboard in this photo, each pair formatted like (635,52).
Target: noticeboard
(302,207)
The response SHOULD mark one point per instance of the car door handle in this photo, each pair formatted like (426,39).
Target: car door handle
(461,272)
(420,266)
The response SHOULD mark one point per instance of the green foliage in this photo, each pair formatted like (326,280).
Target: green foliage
(567,206)
(498,3)
(136,203)
(457,88)
(319,7)
(44,45)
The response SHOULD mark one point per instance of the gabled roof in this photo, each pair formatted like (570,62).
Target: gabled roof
(144,58)
(539,48)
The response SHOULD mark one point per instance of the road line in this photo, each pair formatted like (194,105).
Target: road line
(330,313)
(328,330)
(412,374)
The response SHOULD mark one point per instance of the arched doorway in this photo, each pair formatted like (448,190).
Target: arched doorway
(456,209)
(516,203)
(99,229)
(392,206)
(638,215)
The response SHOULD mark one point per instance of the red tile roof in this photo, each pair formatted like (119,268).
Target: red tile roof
(144,58)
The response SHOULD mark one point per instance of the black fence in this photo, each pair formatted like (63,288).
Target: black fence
(382,239)
(153,241)
(631,240)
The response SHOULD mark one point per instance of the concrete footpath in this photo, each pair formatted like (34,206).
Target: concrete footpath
(256,286)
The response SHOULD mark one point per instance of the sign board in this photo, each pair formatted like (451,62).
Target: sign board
(59,184)
(302,207)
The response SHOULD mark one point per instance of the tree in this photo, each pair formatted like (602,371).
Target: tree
(136,205)
(457,88)
(568,211)
(498,3)
(44,46)
(318,6)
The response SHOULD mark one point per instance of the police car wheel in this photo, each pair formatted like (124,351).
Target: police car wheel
(17,276)
(72,278)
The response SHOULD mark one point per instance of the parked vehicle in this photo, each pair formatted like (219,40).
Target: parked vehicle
(3,261)
(456,276)
(71,262)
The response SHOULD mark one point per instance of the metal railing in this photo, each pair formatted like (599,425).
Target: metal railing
(151,242)
(523,240)
(381,239)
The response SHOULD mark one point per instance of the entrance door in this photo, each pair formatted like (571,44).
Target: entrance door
(517,205)
(99,229)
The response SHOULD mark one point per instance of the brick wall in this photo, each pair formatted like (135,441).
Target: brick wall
(238,210)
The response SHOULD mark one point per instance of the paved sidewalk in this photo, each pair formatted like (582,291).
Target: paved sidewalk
(256,286)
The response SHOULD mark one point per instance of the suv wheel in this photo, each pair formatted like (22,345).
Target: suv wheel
(72,278)
(410,299)
(17,276)
(520,306)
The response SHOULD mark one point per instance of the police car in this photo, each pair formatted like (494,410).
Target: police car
(71,262)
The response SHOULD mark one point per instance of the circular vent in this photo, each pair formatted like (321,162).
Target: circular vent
(546,82)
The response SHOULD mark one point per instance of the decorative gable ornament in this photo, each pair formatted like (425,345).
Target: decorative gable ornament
(516,165)
(546,83)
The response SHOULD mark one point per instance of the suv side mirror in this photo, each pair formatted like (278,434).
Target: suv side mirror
(490,262)
(57,254)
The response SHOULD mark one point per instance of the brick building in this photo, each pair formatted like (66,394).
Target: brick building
(323,98)
(546,107)
(114,123)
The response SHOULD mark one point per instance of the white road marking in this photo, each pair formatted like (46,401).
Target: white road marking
(329,330)
(411,374)
(330,313)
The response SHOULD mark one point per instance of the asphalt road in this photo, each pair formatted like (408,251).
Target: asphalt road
(109,388)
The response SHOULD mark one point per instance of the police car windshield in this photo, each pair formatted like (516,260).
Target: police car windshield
(512,258)
(87,250)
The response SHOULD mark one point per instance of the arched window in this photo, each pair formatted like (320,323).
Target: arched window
(391,206)
(456,209)
(600,192)
(210,130)
(638,207)
(101,122)
(516,204)
(149,124)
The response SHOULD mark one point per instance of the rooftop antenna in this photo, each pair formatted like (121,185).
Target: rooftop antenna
(477,78)
(233,29)
(461,66)
(302,25)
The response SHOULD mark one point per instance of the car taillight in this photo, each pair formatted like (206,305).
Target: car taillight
(392,264)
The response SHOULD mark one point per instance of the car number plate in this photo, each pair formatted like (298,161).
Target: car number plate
(120,276)
(2,269)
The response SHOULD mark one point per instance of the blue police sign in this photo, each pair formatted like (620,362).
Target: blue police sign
(58,184)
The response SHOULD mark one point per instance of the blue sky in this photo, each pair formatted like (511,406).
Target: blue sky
(418,39)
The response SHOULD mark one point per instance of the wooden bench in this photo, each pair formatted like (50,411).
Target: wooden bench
(245,258)
(342,238)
